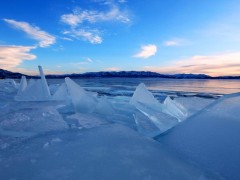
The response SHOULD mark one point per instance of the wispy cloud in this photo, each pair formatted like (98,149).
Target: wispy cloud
(34,32)
(89,60)
(78,16)
(67,39)
(85,60)
(11,56)
(214,65)
(88,35)
(175,42)
(84,23)
(147,51)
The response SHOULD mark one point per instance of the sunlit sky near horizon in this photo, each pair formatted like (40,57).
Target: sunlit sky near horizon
(165,36)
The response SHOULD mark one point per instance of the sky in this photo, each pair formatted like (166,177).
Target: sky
(77,36)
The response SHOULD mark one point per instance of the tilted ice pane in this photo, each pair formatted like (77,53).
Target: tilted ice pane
(45,88)
(193,104)
(145,126)
(31,82)
(104,107)
(143,96)
(82,101)
(175,109)
(22,86)
(35,92)
(162,120)
(61,93)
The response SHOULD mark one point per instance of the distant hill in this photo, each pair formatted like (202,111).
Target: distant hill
(8,74)
(119,74)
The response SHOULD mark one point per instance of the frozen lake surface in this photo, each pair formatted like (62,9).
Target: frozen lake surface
(120,128)
(219,86)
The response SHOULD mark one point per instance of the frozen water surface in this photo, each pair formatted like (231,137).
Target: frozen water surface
(105,152)
(106,128)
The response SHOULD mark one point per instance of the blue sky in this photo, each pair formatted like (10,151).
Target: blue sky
(76,36)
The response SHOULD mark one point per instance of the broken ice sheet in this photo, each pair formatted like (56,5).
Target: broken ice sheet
(32,120)
(85,120)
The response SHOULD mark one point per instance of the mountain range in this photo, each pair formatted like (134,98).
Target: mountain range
(120,74)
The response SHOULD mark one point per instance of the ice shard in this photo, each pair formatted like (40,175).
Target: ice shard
(33,93)
(145,126)
(36,90)
(45,87)
(22,86)
(143,96)
(82,101)
(162,120)
(61,93)
(13,83)
(104,107)
(31,82)
(145,102)
(175,109)
(193,104)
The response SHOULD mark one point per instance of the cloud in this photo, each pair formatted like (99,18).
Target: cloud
(33,32)
(147,51)
(113,69)
(84,24)
(78,16)
(12,56)
(175,42)
(86,61)
(88,35)
(67,39)
(89,60)
(220,64)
